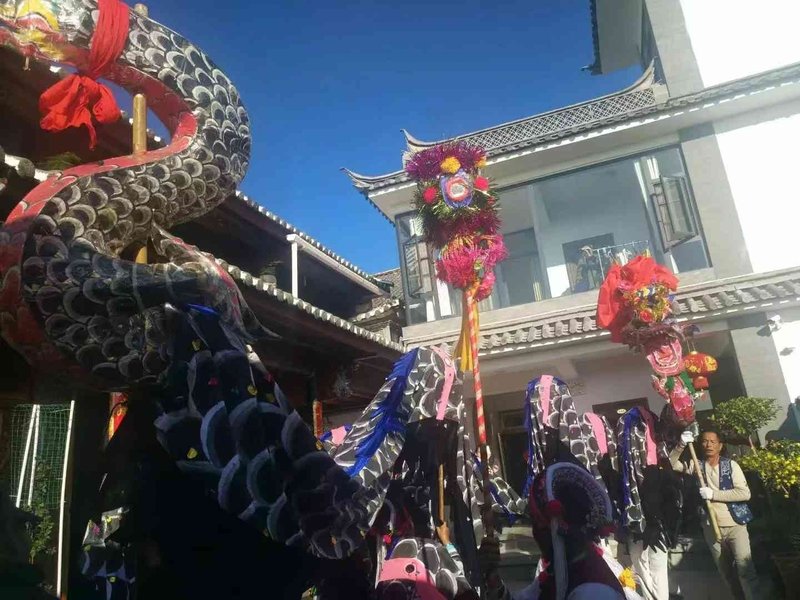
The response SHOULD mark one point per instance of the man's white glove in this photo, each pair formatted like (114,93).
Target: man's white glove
(687,437)
(706,493)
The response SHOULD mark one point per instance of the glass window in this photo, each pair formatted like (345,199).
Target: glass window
(417,270)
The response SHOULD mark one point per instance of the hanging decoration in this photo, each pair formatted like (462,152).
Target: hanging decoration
(635,305)
(458,212)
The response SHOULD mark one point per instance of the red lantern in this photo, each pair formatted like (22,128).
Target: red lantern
(698,363)
(700,382)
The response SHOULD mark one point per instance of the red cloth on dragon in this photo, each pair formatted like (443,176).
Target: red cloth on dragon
(613,313)
(79,99)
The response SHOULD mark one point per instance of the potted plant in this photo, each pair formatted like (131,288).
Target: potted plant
(743,416)
(778,467)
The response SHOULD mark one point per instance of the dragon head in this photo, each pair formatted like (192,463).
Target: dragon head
(45,29)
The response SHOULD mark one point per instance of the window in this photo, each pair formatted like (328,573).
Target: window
(415,255)
(673,211)
(416,268)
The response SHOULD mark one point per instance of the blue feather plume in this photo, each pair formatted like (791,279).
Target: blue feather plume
(391,416)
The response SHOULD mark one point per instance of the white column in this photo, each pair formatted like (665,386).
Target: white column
(25,456)
(295,267)
(36,428)
(62,503)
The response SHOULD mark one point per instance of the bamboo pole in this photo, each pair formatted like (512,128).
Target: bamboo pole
(140,143)
(139,124)
(701,480)
(441,493)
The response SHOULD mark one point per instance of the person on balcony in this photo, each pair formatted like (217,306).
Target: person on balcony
(726,488)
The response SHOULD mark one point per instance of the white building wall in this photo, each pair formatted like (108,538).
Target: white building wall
(736,38)
(787,345)
(761,162)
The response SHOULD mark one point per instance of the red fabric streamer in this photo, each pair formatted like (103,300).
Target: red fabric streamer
(613,313)
(79,99)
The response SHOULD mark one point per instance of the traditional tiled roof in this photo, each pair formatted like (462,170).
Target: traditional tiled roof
(394,278)
(378,311)
(245,278)
(625,106)
(242,197)
(707,301)
(507,137)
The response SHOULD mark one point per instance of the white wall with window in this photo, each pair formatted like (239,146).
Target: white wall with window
(563,233)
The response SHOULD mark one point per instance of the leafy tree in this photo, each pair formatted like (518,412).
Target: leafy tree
(744,415)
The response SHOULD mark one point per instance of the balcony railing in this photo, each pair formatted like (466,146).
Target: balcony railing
(594,263)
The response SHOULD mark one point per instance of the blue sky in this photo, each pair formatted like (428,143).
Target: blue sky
(330,84)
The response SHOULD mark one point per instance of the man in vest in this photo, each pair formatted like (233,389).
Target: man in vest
(726,488)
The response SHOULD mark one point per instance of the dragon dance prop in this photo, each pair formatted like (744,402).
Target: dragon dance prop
(635,306)
(176,332)
(458,212)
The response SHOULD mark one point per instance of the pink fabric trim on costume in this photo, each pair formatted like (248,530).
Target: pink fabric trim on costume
(545,382)
(337,435)
(650,440)
(449,376)
(599,431)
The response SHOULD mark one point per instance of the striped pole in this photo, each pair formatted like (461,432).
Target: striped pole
(472,308)
(480,419)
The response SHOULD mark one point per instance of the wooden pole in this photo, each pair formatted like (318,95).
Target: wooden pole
(701,479)
(139,124)
(441,493)
(317,411)
(140,145)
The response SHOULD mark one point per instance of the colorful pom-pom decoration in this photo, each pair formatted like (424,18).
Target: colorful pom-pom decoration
(430,194)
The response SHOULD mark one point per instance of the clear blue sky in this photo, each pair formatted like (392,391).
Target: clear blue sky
(329,84)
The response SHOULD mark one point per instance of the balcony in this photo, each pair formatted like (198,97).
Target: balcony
(564,232)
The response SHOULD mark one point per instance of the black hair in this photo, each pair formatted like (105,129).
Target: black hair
(715,431)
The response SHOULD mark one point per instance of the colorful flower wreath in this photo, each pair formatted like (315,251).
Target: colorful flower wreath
(458,212)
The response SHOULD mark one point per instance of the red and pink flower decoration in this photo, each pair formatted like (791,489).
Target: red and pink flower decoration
(459,215)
